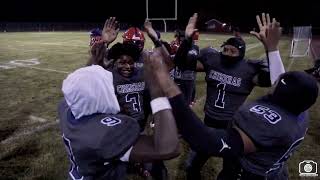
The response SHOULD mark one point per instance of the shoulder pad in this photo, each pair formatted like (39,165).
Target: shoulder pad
(208,50)
(258,63)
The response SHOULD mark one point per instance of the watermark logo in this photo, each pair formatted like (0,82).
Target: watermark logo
(308,168)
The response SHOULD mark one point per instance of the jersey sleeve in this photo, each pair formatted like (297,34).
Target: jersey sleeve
(207,55)
(181,58)
(262,72)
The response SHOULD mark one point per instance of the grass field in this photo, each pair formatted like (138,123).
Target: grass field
(30,141)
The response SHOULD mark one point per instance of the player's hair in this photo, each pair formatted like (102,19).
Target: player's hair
(120,49)
(97,54)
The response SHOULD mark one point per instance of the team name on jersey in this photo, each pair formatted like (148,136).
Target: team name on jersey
(133,87)
(224,78)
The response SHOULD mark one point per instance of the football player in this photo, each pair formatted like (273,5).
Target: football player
(95,36)
(126,62)
(99,139)
(136,37)
(131,36)
(230,78)
(262,134)
(185,79)
(128,82)
(236,32)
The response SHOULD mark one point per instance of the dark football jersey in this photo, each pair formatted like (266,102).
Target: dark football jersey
(275,132)
(96,142)
(188,74)
(130,94)
(185,78)
(227,85)
(139,63)
(184,75)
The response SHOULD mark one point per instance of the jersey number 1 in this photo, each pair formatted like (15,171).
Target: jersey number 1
(220,99)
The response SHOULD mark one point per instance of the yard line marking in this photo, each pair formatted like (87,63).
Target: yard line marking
(37,119)
(61,44)
(208,39)
(24,133)
(44,69)
(262,56)
(253,45)
(71,44)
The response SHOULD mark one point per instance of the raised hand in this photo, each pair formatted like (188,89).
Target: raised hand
(270,32)
(110,30)
(150,31)
(273,35)
(151,72)
(262,26)
(155,63)
(191,27)
(157,75)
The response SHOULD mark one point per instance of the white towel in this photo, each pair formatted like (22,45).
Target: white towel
(90,90)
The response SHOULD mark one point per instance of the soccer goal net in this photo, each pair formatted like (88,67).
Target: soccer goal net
(300,45)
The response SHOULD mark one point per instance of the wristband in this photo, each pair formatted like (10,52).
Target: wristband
(159,104)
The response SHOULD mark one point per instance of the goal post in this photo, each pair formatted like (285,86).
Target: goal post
(301,41)
(164,19)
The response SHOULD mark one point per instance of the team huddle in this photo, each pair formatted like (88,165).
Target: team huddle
(108,104)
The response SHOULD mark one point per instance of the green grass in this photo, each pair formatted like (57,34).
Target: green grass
(35,92)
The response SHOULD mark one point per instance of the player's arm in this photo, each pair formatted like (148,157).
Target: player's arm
(164,144)
(157,43)
(217,142)
(201,138)
(194,58)
(200,67)
(99,51)
(269,35)
(146,103)
(181,58)
(98,54)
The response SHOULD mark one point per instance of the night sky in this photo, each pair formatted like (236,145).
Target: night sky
(241,13)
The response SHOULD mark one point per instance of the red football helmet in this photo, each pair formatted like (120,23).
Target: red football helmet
(135,36)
